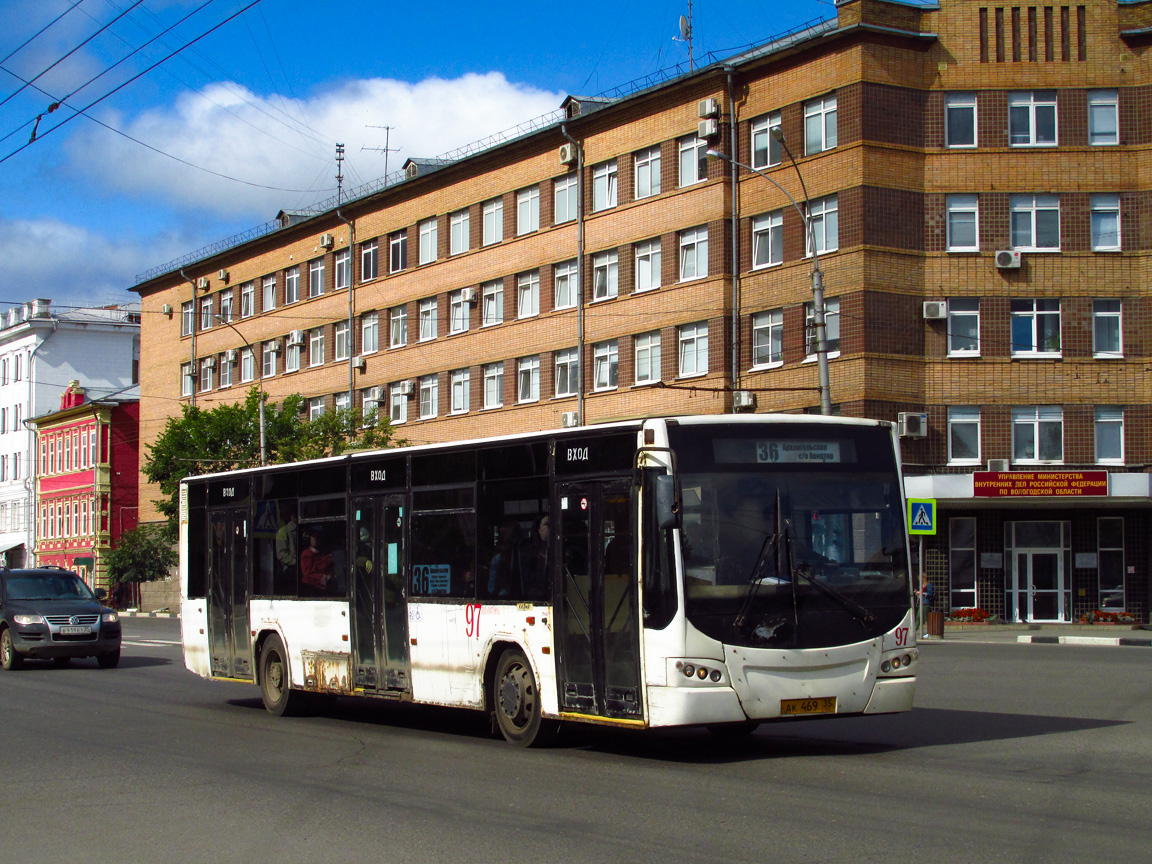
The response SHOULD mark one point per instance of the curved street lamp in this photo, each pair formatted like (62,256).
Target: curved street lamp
(817,275)
(259,378)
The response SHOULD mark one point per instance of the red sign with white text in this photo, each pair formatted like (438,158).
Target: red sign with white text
(1007,484)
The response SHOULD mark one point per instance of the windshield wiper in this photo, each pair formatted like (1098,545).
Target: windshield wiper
(858,612)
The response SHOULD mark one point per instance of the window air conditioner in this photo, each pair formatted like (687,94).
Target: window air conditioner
(275,345)
(745,399)
(935,310)
(374,394)
(230,355)
(210,362)
(1008,259)
(360,364)
(326,241)
(296,337)
(202,283)
(999,465)
(569,419)
(222,275)
(567,153)
(407,388)
(469,295)
(708,129)
(709,107)
(913,425)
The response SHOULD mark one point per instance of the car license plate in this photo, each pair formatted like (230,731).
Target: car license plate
(819,705)
(75,631)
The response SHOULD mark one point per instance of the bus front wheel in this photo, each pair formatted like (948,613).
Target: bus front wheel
(516,700)
(276,682)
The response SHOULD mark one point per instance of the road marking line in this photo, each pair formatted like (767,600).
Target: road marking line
(150,642)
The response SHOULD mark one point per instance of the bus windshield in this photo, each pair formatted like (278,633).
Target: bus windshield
(793,536)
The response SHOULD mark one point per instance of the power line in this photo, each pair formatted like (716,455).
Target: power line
(26,42)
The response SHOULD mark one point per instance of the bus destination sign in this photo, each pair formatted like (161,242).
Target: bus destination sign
(791,452)
(1006,484)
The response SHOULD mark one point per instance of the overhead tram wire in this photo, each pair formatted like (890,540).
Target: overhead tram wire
(90,105)
(31,38)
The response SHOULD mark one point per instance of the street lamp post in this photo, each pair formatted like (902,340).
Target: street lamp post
(817,275)
(259,378)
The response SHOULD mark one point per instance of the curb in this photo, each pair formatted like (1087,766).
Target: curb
(1095,641)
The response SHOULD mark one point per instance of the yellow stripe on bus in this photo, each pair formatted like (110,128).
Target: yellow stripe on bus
(607,721)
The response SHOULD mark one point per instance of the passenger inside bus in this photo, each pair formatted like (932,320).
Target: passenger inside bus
(316,575)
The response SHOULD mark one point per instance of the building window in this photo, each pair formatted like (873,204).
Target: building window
(605,275)
(693,356)
(647,168)
(528,379)
(1035,222)
(457,312)
(693,160)
(1103,118)
(766,150)
(427,318)
(567,372)
(693,253)
(316,347)
(187,319)
(370,405)
(647,351)
(528,294)
(397,251)
(963,435)
(831,328)
(459,380)
(292,285)
(1032,118)
(185,381)
(247,366)
(824,214)
(226,305)
(343,401)
(369,260)
(225,373)
(768,338)
(604,186)
(819,125)
(429,396)
(493,385)
(565,198)
(493,213)
(397,403)
(343,340)
(1038,434)
(315,407)
(492,303)
(606,365)
(268,294)
(1105,223)
(960,120)
(1110,562)
(1035,327)
(398,326)
(428,240)
(564,284)
(527,211)
(316,277)
(292,357)
(1109,429)
(207,375)
(964,327)
(369,333)
(768,239)
(206,313)
(268,365)
(648,265)
(248,300)
(963,223)
(1106,331)
(343,269)
(962,563)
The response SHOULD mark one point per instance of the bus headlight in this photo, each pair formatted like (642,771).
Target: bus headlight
(689,670)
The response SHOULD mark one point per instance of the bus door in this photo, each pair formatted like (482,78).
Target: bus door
(380,624)
(228,633)
(596,613)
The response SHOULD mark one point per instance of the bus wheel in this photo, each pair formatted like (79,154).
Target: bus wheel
(276,684)
(516,699)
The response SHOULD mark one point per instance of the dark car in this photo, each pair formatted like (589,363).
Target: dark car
(53,614)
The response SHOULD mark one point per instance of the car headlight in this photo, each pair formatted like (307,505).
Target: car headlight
(25,620)
(109,617)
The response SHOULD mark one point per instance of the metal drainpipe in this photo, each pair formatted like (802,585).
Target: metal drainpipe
(735,242)
(192,350)
(579,272)
(33,465)
(351,339)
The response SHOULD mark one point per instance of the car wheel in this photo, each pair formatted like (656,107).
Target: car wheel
(110,660)
(9,657)
(276,681)
(516,701)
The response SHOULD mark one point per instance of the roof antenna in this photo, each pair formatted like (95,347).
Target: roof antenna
(686,34)
(339,174)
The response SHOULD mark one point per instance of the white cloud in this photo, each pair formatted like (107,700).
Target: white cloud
(288,144)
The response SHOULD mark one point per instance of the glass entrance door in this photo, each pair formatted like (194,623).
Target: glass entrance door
(379,603)
(228,634)
(1038,588)
(1042,576)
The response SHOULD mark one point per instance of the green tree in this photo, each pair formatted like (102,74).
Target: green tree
(144,554)
(228,436)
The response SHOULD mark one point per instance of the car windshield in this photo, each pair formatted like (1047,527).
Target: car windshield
(48,586)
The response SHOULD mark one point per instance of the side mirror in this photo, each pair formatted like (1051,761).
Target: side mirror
(667,502)
(100,593)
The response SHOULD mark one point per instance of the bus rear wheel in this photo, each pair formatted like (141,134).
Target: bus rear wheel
(276,682)
(516,701)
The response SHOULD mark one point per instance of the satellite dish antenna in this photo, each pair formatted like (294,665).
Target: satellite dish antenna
(685,29)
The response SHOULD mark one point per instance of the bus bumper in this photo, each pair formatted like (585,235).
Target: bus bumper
(892,695)
(686,706)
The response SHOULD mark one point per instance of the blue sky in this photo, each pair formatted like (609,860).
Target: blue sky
(263,99)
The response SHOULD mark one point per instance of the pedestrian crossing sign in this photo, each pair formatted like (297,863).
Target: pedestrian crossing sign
(921,516)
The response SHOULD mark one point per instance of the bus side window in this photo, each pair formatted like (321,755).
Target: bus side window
(443,558)
(513,540)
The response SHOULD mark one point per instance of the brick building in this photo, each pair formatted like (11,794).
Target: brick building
(973,177)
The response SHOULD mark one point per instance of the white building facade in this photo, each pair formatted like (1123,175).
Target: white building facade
(41,352)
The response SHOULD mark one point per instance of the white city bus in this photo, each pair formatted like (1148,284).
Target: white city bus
(719,571)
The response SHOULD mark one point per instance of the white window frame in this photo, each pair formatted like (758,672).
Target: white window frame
(369,260)
(292,285)
(247,366)
(1026,108)
(605,275)
(492,221)
(528,379)
(1105,223)
(766,150)
(459,386)
(492,303)
(692,349)
(247,299)
(820,125)
(370,333)
(963,310)
(459,232)
(564,199)
(567,380)
(824,215)
(315,277)
(606,365)
(187,318)
(398,326)
(427,317)
(226,306)
(1110,418)
(429,240)
(1039,310)
(429,396)
(457,312)
(768,240)
(493,385)
(316,407)
(963,217)
(342,401)
(397,251)
(528,294)
(225,372)
(564,285)
(768,339)
(206,314)
(1107,314)
(604,186)
(1103,118)
(207,376)
(268,360)
(646,349)
(316,347)
(831,329)
(292,358)
(1033,420)
(646,168)
(693,162)
(963,418)
(956,104)
(268,294)
(649,261)
(397,403)
(1028,215)
(342,341)
(527,211)
(694,253)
